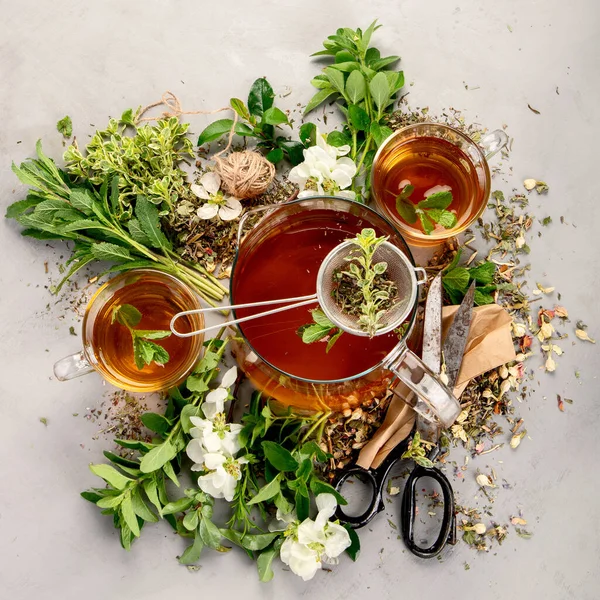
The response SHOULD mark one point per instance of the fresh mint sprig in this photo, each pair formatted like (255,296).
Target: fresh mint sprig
(145,351)
(429,211)
(319,329)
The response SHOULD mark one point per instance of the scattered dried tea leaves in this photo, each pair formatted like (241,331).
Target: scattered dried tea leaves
(518,521)
(533,110)
(44,421)
(561,404)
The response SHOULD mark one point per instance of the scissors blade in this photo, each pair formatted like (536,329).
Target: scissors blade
(432,326)
(456,339)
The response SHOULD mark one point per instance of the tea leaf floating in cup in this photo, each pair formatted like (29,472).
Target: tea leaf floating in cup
(144,350)
(429,211)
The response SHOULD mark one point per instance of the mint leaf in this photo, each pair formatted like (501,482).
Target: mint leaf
(356,87)
(65,126)
(279,457)
(426,222)
(126,314)
(445,218)
(380,91)
(149,334)
(332,340)
(480,298)
(148,217)
(483,273)
(457,279)
(358,117)
(314,333)
(438,200)
(406,210)
(406,192)
(320,318)
(319,98)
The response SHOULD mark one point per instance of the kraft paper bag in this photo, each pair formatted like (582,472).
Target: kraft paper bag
(489,345)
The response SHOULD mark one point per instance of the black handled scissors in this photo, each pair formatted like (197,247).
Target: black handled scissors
(453,350)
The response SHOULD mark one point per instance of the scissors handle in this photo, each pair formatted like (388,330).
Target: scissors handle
(375,505)
(408,513)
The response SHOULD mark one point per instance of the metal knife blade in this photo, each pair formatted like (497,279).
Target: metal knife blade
(432,326)
(456,339)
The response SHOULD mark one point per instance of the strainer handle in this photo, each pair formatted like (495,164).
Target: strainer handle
(431,398)
(423,273)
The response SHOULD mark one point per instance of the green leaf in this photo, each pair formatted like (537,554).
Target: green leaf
(209,361)
(445,218)
(395,80)
(483,273)
(152,334)
(157,457)
(188,411)
(358,117)
(91,496)
(406,209)
(318,98)
(240,108)
(127,117)
(221,127)
(279,457)
(170,473)
(82,199)
(275,155)
(354,549)
(150,488)
(65,127)
(343,56)
(456,279)
(126,314)
(192,553)
(266,492)
(156,422)
(147,214)
(252,542)
(274,116)
(294,150)
(120,460)
(438,200)
(366,36)
(337,139)
(320,318)
(111,476)
(196,384)
(129,517)
(314,333)
(302,505)
(426,222)
(380,90)
(480,298)
(356,87)
(321,82)
(21,206)
(264,562)
(110,501)
(180,505)
(346,67)
(191,520)
(380,133)
(210,534)
(308,134)
(319,486)
(380,63)
(109,252)
(140,508)
(336,78)
(136,232)
(260,98)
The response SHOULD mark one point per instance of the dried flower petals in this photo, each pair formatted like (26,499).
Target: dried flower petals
(583,335)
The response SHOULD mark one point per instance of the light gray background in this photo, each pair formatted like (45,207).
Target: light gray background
(92,59)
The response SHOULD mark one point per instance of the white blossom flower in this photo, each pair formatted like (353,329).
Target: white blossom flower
(216,435)
(223,473)
(217,203)
(214,402)
(311,543)
(323,171)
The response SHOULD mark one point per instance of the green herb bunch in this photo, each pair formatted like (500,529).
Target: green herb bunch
(100,224)
(259,120)
(429,211)
(363,289)
(285,455)
(136,491)
(145,351)
(146,162)
(365,90)
(456,281)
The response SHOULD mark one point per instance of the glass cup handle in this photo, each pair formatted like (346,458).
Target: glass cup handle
(431,398)
(493,142)
(72,366)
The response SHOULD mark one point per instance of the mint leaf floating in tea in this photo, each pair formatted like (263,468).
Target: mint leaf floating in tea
(429,211)
(364,289)
(145,351)
(320,329)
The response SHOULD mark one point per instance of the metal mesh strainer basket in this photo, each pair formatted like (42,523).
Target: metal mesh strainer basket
(399,270)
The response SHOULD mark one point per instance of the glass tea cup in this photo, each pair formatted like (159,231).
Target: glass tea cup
(432,157)
(108,345)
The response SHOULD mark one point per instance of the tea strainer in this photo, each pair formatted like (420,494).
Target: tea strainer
(399,270)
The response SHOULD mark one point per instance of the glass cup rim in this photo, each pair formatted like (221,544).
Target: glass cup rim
(435,237)
(87,343)
(391,354)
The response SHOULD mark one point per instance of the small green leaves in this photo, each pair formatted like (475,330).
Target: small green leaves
(219,128)
(380,91)
(268,491)
(111,476)
(157,457)
(429,211)
(456,281)
(260,98)
(279,457)
(318,99)
(274,116)
(240,108)
(358,118)
(65,127)
(320,329)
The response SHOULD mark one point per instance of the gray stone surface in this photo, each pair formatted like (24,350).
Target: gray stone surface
(94,59)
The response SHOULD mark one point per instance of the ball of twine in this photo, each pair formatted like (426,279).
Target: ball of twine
(245,174)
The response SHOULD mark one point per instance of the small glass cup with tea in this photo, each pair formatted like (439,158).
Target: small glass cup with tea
(108,344)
